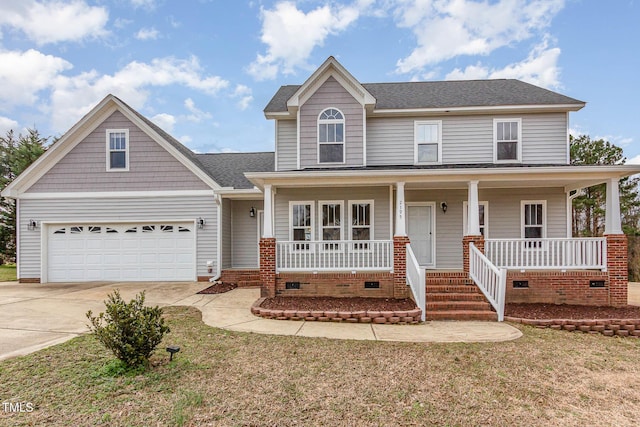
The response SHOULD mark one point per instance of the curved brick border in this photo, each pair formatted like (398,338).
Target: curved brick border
(607,327)
(404,317)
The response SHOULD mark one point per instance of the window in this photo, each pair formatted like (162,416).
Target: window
(533,220)
(331,136)
(361,220)
(483,217)
(118,150)
(301,223)
(331,222)
(428,141)
(507,134)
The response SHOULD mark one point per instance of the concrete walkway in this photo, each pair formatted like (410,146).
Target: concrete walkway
(36,316)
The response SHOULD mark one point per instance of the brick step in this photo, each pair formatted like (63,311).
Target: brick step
(455,296)
(462,315)
(248,283)
(456,289)
(448,281)
(457,306)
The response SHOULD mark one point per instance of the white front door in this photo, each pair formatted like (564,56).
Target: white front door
(420,228)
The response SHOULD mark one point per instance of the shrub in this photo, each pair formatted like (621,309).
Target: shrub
(130,330)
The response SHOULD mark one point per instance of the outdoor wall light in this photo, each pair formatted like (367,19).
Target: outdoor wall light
(201,222)
(252,212)
(444,207)
(32,225)
(172,349)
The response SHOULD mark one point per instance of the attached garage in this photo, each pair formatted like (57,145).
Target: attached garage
(158,251)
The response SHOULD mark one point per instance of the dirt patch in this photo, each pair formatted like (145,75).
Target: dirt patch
(219,288)
(338,304)
(566,311)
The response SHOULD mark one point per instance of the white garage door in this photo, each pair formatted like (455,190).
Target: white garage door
(116,252)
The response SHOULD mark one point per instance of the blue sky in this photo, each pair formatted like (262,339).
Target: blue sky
(205,69)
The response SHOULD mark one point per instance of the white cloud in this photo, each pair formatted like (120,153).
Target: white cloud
(147,34)
(449,28)
(165,121)
(185,139)
(196,115)
(634,160)
(245,94)
(7,124)
(147,4)
(54,21)
(539,68)
(291,35)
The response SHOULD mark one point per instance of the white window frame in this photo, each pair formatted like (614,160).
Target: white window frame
(344,136)
(312,225)
(465,208)
(524,203)
(519,141)
(321,226)
(371,222)
(109,150)
(416,144)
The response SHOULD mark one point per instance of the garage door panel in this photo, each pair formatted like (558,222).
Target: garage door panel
(91,252)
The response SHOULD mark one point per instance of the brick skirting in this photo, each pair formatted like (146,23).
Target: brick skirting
(608,327)
(343,284)
(29,280)
(242,277)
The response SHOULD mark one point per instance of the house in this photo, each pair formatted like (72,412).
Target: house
(371,188)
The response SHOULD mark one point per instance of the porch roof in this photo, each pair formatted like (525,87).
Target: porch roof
(570,177)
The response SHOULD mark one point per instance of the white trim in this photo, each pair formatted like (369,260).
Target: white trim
(312,214)
(275,148)
(484,110)
(465,208)
(417,123)
(18,225)
(109,150)
(116,194)
(391,213)
(495,139)
(320,218)
(544,216)
(343,122)
(219,239)
(372,229)
(297,139)
(260,225)
(432,231)
(364,137)
(568,141)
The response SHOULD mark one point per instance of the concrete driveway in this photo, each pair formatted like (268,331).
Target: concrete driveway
(35,316)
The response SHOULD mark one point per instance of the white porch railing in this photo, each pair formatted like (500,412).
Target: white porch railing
(417,280)
(491,280)
(334,255)
(560,254)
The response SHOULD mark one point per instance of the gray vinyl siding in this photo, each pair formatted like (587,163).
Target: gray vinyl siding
(116,210)
(379,195)
(151,167)
(227,234)
(467,139)
(245,234)
(331,94)
(287,145)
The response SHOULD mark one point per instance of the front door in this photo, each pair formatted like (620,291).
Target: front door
(421,232)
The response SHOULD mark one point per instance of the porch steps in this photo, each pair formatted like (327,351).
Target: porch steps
(456,297)
(242,278)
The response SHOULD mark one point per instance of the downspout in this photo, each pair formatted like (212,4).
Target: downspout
(570,197)
(219,240)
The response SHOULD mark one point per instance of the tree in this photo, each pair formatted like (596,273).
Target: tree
(16,154)
(589,208)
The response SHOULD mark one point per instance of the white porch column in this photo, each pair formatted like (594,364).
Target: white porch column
(401,229)
(473,222)
(267,230)
(613,223)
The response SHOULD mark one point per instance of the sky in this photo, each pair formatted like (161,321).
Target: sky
(204,70)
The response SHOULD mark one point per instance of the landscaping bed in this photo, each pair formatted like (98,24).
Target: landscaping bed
(566,311)
(219,288)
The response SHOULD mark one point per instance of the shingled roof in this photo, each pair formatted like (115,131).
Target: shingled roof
(228,169)
(445,94)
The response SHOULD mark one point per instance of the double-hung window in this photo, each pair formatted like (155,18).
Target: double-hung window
(483,218)
(507,134)
(331,223)
(534,221)
(331,136)
(428,141)
(117,149)
(301,223)
(361,220)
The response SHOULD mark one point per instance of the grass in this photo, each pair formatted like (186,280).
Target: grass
(224,378)
(8,273)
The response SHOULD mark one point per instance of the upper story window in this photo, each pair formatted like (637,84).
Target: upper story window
(117,149)
(507,137)
(331,136)
(428,141)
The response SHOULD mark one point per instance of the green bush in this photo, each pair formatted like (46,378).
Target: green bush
(130,330)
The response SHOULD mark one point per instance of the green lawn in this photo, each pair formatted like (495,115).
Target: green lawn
(224,378)
(7,273)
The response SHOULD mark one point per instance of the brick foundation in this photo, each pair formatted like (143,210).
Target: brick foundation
(29,280)
(242,277)
(343,284)
(478,241)
(400,288)
(268,266)
(618,269)
(557,287)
